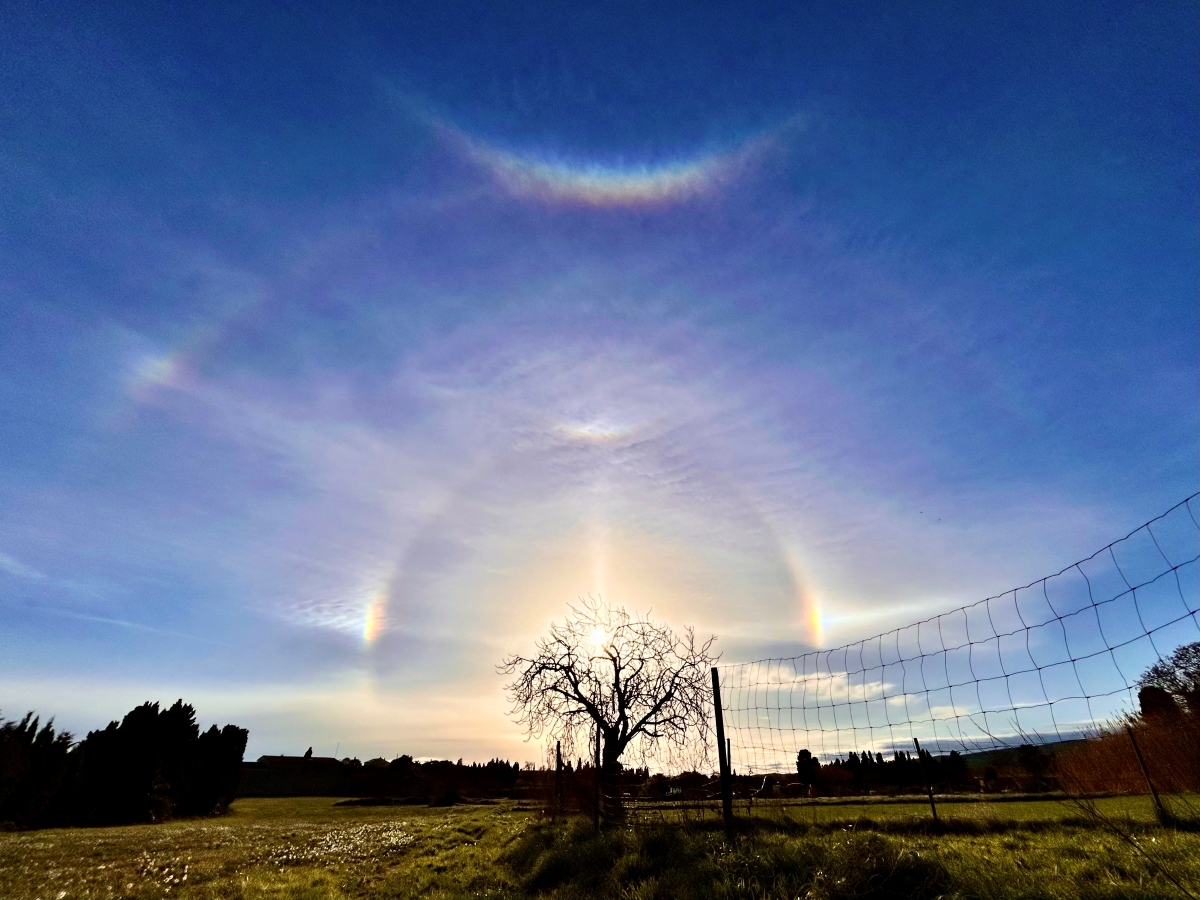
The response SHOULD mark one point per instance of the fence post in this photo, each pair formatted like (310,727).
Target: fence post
(1137,751)
(722,753)
(925,778)
(596,769)
(558,778)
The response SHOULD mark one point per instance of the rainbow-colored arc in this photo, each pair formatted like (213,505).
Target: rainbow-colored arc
(542,177)
(599,185)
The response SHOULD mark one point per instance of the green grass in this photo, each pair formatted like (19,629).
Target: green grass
(309,848)
(983,809)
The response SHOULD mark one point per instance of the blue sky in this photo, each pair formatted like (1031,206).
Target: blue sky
(342,347)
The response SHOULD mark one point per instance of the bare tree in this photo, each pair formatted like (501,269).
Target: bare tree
(635,681)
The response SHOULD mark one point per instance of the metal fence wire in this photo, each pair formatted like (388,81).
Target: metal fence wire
(1047,662)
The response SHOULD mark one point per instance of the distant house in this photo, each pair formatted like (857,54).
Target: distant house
(298,776)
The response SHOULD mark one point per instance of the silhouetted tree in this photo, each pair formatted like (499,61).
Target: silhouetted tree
(1178,675)
(632,680)
(952,767)
(401,766)
(149,766)
(215,771)
(1035,763)
(34,767)
(872,770)
(807,766)
(1157,705)
(121,777)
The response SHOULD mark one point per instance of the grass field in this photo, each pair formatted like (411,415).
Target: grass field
(309,848)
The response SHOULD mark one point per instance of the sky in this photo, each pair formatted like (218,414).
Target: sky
(343,346)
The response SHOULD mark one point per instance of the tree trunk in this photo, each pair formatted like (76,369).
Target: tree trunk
(612,808)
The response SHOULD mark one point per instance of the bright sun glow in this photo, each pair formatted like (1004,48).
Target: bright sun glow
(598,638)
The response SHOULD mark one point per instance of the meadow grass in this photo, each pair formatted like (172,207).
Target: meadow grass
(310,848)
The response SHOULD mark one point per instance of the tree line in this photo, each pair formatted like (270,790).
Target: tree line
(401,780)
(873,770)
(152,765)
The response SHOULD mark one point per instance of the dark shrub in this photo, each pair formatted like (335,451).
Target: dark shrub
(448,797)
(151,765)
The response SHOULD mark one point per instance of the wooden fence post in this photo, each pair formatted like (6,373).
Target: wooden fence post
(1137,751)
(925,778)
(558,778)
(596,811)
(723,756)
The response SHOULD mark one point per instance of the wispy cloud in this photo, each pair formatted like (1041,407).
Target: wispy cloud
(18,569)
(120,623)
(377,392)
(554,464)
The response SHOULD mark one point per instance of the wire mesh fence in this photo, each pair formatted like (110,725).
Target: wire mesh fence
(1043,663)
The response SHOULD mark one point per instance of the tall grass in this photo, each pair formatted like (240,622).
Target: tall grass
(664,860)
(1107,762)
(778,859)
